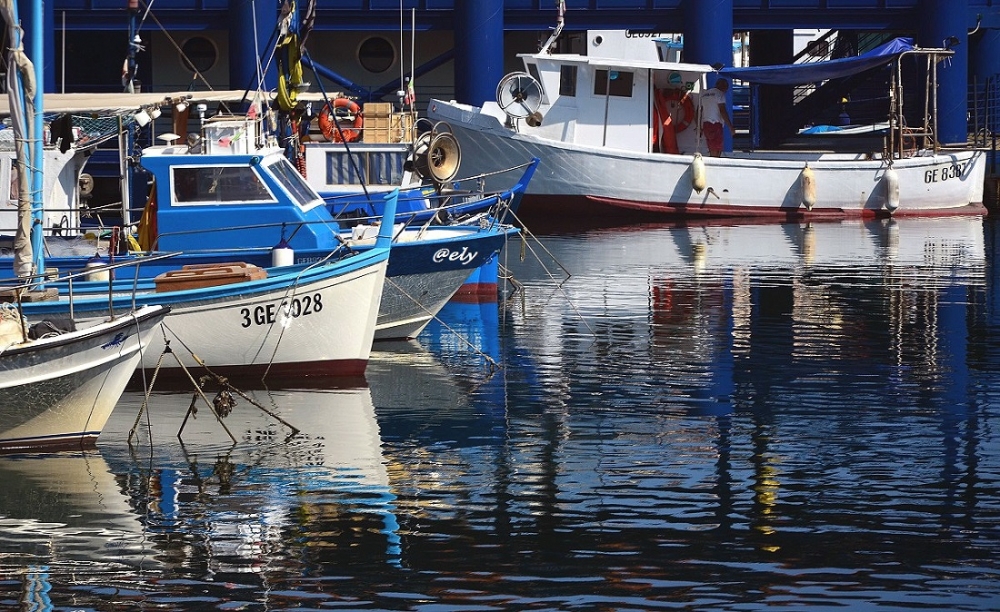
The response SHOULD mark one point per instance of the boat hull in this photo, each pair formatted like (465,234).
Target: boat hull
(758,184)
(423,271)
(57,393)
(305,322)
(411,301)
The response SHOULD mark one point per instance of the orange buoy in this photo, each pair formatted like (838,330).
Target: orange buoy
(677,103)
(328,123)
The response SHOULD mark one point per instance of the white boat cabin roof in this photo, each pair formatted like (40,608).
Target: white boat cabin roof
(121,103)
(618,62)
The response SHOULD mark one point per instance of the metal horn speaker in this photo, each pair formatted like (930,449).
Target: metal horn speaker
(421,150)
(444,156)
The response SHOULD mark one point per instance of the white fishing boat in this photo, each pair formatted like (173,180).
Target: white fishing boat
(58,390)
(250,322)
(58,382)
(591,121)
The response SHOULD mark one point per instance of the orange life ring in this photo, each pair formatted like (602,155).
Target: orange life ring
(673,113)
(328,121)
(675,99)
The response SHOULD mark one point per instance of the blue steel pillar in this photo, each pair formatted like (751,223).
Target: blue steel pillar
(942,20)
(478,50)
(28,17)
(985,57)
(708,39)
(243,49)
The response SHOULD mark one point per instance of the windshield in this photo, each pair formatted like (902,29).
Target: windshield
(294,184)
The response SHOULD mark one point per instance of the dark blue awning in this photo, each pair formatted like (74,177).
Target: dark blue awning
(815,72)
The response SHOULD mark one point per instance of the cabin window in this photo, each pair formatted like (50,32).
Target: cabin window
(617,81)
(567,81)
(226,184)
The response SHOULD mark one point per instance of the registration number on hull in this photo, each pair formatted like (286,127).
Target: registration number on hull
(266,314)
(945,173)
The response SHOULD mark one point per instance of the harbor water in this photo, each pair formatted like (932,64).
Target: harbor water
(659,417)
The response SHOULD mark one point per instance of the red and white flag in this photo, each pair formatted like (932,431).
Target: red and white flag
(410,97)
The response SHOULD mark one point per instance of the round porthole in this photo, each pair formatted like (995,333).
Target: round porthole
(376,54)
(199,53)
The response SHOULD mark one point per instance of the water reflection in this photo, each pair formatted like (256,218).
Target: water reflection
(63,514)
(203,506)
(751,308)
(699,417)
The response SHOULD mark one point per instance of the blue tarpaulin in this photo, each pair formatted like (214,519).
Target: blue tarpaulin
(815,72)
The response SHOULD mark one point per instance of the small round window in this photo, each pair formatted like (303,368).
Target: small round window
(376,54)
(199,53)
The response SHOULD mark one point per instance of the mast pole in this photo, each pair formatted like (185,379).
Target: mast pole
(37,132)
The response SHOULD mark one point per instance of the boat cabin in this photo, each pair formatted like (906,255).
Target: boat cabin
(63,193)
(610,102)
(229,197)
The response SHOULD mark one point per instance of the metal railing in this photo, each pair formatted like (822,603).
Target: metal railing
(984,111)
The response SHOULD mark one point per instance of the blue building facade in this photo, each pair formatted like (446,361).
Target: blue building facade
(461,48)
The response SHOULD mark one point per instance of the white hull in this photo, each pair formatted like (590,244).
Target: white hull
(327,331)
(738,184)
(58,392)
(320,322)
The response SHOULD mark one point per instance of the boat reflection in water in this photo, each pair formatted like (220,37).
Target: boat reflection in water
(271,489)
(64,519)
(725,299)
(706,417)
(794,345)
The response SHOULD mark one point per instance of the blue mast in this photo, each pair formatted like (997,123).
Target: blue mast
(37,133)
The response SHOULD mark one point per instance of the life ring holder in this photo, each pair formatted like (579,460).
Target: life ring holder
(680,98)
(330,127)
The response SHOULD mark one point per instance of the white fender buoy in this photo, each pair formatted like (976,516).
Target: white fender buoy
(891,180)
(698,173)
(282,255)
(808,183)
(96,263)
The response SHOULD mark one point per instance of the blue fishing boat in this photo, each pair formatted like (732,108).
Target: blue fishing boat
(237,201)
(229,200)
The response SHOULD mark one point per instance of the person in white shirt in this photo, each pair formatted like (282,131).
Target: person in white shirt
(715,115)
